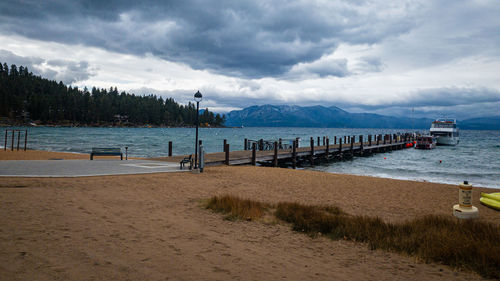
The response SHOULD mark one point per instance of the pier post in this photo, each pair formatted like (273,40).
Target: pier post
(345,139)
(312,151)
(275,157)
(169,148)
(294,155)
(369,140)
(340,148)
(246,144)
(335,140)
(5,144)
(25,139)
(297,142)
(261,144)
(280,143)
(327,148)
(361,144)
(12,146)
(352,146)
(224,145)
(318,142)
(254,153)
(226,150)
(324,140)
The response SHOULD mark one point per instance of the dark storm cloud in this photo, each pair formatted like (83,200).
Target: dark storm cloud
(245,38)
(60,70)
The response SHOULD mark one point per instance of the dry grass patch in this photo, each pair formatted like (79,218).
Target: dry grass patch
(236,208)
(469,244)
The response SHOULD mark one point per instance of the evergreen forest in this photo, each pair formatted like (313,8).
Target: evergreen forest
(25,97)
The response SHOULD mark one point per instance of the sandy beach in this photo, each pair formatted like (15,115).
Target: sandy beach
(153,227)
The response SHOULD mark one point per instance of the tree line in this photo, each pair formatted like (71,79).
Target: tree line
(24,96)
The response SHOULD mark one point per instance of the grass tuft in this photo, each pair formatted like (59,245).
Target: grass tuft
(236,208)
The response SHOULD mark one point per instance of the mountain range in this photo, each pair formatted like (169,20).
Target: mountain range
(334,117)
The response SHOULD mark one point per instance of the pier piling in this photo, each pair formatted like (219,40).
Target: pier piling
(254,148)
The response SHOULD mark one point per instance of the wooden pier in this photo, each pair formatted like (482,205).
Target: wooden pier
(293,156)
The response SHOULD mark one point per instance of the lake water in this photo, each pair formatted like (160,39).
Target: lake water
(476,158)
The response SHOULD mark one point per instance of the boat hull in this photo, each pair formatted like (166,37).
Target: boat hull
(490,203)
(442,140)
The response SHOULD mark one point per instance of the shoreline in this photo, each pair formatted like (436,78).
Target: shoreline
(51,155)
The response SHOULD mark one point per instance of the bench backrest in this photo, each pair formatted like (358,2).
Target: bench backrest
(106,150)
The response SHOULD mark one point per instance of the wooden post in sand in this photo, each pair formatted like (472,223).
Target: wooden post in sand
(5,144)
(335,140)
(280,143)
(169,148)
(294,154)
(25,139)
(246,144)
(369,140)
(318,142)
(275,157)
(226,150)
(224,145)
(12,145)
(18,138)
(312,151)
(254,148)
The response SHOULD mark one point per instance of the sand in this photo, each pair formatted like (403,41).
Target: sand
(152,227)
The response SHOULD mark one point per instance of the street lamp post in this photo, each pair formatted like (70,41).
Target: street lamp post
(197,98)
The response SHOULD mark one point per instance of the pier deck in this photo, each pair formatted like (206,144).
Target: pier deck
(311,155)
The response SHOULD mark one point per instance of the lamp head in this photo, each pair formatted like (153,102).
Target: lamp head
(198,96)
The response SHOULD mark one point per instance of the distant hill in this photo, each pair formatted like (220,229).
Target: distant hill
(484,123)
(334,117)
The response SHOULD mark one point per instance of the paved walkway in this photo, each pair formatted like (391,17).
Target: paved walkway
(83,168)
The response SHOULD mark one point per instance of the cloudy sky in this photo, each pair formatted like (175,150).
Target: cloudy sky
(438,57)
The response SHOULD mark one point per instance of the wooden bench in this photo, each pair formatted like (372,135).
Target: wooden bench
(106,151)
(187,160)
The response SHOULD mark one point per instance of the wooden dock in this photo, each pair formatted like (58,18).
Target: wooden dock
(293,156)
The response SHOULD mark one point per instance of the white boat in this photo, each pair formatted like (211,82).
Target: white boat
(445,131)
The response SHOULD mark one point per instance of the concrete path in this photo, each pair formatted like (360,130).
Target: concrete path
(83,168)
